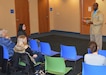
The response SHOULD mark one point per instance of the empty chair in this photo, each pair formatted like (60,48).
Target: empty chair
(69,53)
(93,69)
(34,45)
(102,52)
(46,49)
(56,65)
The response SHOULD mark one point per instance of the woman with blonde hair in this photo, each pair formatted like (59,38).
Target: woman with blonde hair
(23,51)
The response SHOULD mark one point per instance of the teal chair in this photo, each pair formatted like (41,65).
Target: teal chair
(56,65)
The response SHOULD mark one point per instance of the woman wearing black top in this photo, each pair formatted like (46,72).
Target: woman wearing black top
(21,30)
(22,52)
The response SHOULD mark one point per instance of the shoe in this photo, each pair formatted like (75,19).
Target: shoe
(42,72)
(39,72)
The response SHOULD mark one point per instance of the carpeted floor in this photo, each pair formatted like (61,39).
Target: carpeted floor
(80,43)
(56,40)
(81,47)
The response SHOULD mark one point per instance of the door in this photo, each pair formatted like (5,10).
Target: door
(43,15)
(22,14)
(85,12)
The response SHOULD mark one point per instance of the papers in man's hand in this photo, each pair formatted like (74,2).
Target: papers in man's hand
(87,20)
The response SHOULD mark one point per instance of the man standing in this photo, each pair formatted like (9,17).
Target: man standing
(96,24)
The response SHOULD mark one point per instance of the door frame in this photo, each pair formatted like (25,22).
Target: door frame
(82,27)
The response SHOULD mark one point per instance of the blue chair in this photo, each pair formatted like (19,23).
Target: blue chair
(5,62)
(89,51)
(102,52)
(34,45)
(69,53)
(46,49)
(5,53)
(93,69)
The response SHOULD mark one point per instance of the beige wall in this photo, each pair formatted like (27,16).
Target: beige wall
(33,10)
(7,20)
(102,7)
(66,15)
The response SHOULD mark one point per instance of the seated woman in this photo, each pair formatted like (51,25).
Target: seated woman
(94,58)
(21,30)
(20,50)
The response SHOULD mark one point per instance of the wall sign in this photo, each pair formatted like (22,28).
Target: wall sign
(51,9)
(11,11)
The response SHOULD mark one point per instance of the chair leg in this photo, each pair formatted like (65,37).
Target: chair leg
(45,72)
(8,68)
(79,73)
(28,73)
(74,69)
(4,66)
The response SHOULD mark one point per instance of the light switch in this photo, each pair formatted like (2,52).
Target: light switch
(89,8)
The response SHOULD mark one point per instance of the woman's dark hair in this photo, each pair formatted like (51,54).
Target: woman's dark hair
(20,27)
(21,31)
(93,46)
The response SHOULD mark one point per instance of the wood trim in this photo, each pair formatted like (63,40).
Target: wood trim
(84,4)
(43,15)
(81,15)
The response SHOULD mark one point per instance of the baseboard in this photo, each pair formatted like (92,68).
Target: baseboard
(64,31)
